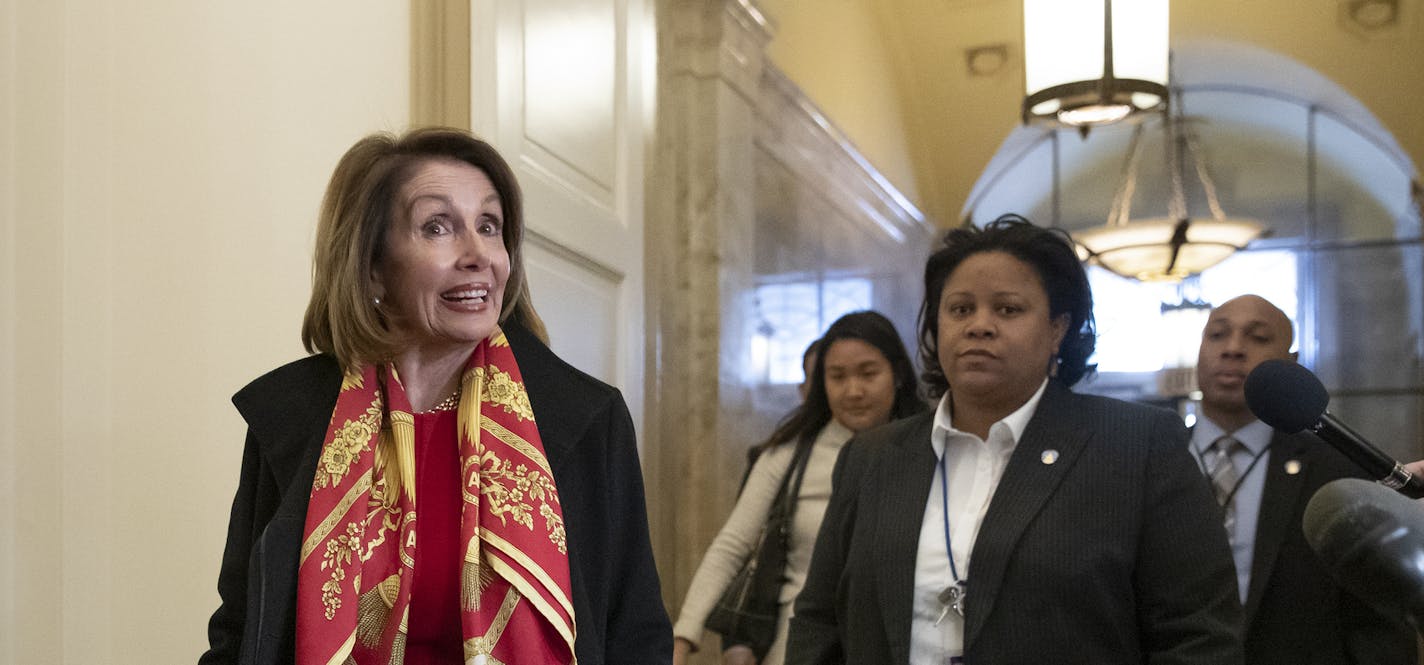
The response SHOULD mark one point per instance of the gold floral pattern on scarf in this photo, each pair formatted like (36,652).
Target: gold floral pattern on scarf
(352,438)
(508,488)
(338,553)
(501,390)
(555,524)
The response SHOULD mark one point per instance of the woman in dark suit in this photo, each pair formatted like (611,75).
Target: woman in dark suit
(430,379)
(1019,522)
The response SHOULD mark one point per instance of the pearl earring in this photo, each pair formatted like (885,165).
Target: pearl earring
(376,301)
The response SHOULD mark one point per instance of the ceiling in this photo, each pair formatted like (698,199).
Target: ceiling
(1268,133)
(956,117)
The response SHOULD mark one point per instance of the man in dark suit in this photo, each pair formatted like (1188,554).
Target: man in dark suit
(1294,612)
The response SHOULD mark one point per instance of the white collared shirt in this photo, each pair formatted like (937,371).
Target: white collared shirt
(1256,437)
(973,467)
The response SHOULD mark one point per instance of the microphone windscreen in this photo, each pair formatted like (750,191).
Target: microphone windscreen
(1372,540)
(1285,395)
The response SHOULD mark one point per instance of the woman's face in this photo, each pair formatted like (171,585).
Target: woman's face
(442,275)
(995,334)
(860,384)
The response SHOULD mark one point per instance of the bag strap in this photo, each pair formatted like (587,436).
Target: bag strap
(785,506)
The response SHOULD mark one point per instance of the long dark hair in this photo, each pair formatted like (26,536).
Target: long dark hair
(1051,255)
(802,424)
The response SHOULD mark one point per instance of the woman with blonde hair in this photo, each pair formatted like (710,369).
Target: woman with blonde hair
(430,385)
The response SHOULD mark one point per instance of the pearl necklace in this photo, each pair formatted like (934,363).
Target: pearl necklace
(448,404)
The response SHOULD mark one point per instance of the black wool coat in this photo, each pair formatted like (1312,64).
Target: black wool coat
(588,438)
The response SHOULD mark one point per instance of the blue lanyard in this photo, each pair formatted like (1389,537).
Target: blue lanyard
(944,500)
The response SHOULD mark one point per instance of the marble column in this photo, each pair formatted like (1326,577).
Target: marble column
(699,230)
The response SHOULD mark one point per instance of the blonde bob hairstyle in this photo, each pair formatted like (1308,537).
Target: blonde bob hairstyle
(359,206)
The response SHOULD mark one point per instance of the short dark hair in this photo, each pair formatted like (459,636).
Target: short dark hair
(1051,254)
(873,328)
(358,208)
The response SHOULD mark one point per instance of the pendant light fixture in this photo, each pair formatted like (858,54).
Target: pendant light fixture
(1093,62)
(1166,248)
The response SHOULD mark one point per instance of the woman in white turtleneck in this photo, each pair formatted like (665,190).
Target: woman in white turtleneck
(862,378)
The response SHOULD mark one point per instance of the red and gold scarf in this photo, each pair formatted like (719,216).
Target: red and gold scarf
(359,550)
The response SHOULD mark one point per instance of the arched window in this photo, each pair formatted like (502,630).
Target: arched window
(1289,148)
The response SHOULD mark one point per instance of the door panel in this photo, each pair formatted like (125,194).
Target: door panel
(584,294)
(570,80)
(555,85)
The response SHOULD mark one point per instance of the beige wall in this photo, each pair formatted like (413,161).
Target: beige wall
(160,168)
(8,380)
(1380,69)
(835,52)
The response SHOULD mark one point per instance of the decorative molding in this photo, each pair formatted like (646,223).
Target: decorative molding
(440,63)
(746,33)
(728,45)
(794,131)
(533,238)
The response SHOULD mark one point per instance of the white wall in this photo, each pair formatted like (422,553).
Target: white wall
(161,164)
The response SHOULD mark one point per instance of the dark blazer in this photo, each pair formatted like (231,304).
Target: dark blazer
(1113,553)
(1295,613)
(588,437)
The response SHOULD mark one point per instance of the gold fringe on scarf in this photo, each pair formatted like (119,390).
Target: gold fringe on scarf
(375,610)
(398,649)
(398,445)
(371,619)
(474,577)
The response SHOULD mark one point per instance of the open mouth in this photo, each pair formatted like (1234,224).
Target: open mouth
(467,296)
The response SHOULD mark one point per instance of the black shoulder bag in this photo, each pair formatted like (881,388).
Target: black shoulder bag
(747,611)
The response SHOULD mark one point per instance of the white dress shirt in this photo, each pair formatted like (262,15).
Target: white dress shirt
(1256,437)
(973,467)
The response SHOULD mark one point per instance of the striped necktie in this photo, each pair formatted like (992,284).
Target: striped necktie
(1224,477)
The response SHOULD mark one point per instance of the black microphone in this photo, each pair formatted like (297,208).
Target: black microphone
(1372,542)
(1289,398)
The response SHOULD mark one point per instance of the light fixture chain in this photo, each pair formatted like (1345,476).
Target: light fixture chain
(1177,205)
(1208,187)
(1121,210)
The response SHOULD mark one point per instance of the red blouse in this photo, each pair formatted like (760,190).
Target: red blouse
(434,636)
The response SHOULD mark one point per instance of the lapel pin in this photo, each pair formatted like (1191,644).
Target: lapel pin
(1049,456)
(1292,467)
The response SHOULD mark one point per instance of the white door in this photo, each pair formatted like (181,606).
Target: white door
(557,86)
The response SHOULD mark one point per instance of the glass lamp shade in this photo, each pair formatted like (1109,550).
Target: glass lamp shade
(1163,249)
(1069,78)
